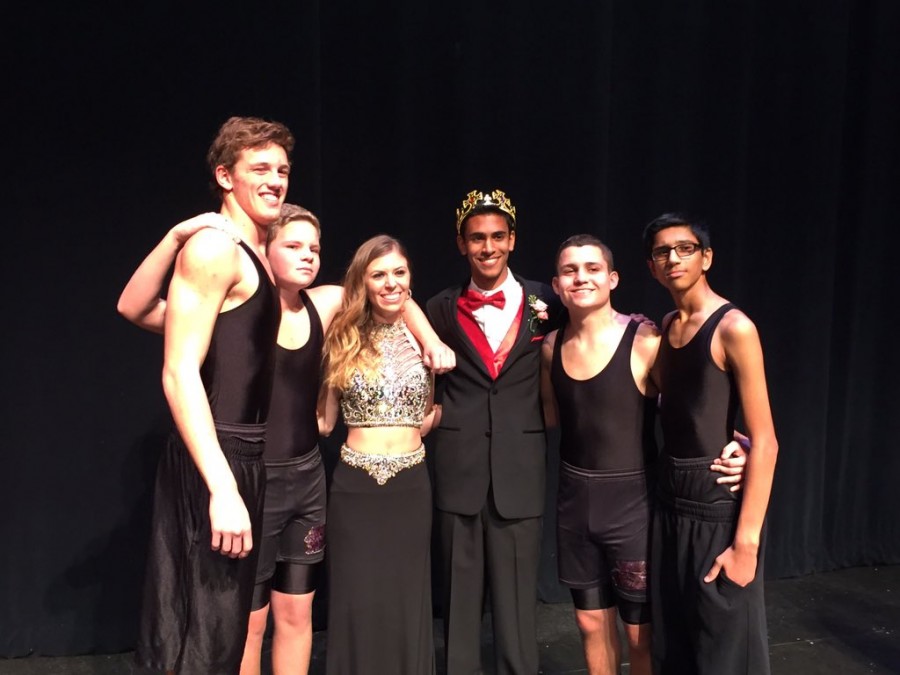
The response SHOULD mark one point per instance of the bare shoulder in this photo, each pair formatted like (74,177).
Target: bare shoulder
(647,339)
(210,246)
(327,297)
(647,332)
(550,339)
(736,327)
(547,345)
(667,319)
(328,300)
(209,253)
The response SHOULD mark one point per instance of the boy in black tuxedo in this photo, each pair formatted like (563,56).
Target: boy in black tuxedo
(489,450)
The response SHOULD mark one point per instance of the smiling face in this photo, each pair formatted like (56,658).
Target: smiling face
(257,183)
(674,272)
(387,282)
(583,279)
(486,242)
(294,254)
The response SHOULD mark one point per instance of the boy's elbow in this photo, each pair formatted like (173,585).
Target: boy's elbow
(170,381)
(325,428)
(767,447)
(125,311)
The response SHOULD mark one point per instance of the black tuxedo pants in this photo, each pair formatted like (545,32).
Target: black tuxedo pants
(504,553)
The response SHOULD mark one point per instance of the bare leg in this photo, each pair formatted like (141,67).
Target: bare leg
(292,642)
(638,648)
(601,640)
(250,664)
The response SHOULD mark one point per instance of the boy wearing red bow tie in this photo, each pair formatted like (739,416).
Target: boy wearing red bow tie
(489,450)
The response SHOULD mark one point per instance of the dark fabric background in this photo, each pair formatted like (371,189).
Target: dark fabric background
(776,121)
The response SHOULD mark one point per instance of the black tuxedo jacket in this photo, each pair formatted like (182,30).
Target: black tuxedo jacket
(491,432)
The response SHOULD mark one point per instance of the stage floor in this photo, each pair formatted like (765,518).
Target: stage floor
(835,623)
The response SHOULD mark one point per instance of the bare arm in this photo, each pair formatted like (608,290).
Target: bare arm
(327,409)
(643,358)
(743,352)
(432,412)
(140,301)
(436,355)
(206,270)
(548,397)
(328,300)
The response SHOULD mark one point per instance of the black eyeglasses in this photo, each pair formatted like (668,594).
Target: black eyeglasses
(684,250)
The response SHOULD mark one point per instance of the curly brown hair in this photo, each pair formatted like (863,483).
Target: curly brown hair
(240,133)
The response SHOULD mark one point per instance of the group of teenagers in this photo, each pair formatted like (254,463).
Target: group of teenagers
(258,365)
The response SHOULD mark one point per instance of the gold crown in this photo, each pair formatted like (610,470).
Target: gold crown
(475,199)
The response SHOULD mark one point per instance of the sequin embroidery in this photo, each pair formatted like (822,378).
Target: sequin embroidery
(630,575)
(382,467)
(315,539)
(399,392)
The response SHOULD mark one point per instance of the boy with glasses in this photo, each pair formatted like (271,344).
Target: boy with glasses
(707,547)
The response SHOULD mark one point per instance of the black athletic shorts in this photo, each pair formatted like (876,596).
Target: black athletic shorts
(603,520)
(293,539)
(196,600)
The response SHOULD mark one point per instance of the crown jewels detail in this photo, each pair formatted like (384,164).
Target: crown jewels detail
(475,199)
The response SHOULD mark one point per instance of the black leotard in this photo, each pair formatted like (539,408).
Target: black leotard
(237,372)
(605,421)
(699,400)
(293,430)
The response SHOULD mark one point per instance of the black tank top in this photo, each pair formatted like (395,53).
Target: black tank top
(606,423)
(293,430)
(699,401)
(237,371)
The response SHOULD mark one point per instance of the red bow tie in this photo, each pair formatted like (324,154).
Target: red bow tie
(475,300)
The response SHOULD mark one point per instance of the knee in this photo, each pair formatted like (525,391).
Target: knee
(257,625)
(590,623)
(638,638)
(295,616)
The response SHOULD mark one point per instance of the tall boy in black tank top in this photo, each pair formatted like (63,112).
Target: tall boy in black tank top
(596,385)
(707,543)
(221,319)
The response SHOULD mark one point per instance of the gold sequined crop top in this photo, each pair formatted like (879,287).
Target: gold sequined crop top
(399,391)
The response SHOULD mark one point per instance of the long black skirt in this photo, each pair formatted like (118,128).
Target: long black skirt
(379,570)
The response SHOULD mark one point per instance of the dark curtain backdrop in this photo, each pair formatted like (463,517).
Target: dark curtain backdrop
(778,122)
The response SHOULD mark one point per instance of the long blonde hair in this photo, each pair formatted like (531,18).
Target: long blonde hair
(348,344)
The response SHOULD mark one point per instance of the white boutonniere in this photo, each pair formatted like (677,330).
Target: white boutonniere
(538,312)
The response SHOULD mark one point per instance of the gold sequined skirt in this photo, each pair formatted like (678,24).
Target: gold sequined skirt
(382,467)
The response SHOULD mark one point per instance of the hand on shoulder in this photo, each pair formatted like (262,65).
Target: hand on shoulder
(186,229)
(210,256)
